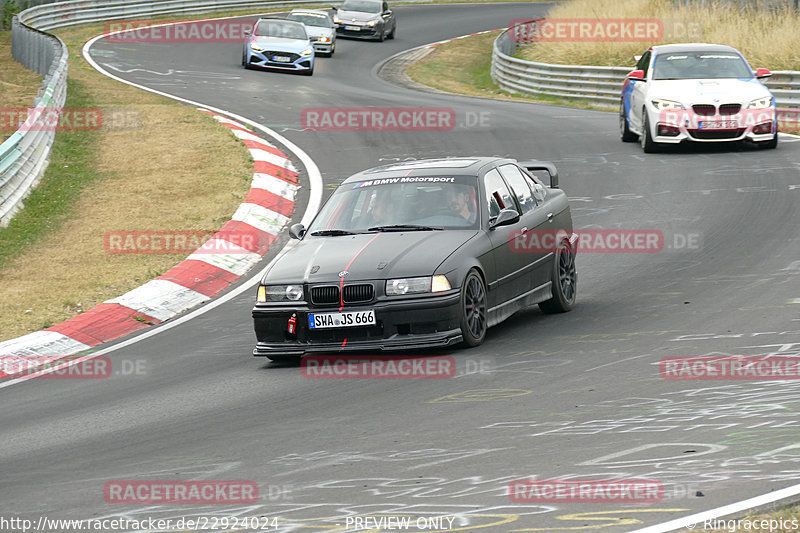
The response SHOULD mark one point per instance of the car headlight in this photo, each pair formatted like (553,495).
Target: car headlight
(256,48)
(401,286)
(761,103)
(336,20)
(307,51)
(279,293)
(372,23)
(662,105)
(324,40)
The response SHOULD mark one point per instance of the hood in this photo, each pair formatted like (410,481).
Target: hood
(382,256)
(319,31)
(356,16)
(690,92)
(281,44)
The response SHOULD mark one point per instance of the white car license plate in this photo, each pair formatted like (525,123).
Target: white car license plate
(719,125)
(281,59)
(353,28)
(346,319)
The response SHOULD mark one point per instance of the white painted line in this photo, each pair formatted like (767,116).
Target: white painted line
(235,262)
(261,218)
(247,136)
(160,298)
(794,301)
(263,155)
(696,520)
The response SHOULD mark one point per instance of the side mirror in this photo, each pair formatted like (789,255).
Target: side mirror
(247,32)
(763,73)
(637,58)
(636,75)
(506,217)
(335,8)
(539,192)
(296,231)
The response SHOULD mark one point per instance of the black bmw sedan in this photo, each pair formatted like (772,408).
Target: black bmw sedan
(426,253)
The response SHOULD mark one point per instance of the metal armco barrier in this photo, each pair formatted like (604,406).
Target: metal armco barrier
(600,86)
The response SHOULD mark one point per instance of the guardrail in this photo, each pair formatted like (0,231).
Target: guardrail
(600,86)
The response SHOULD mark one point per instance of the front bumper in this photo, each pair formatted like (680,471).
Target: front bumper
(266,60)
(673,127)
(426,321)
(363,32)
(322,48)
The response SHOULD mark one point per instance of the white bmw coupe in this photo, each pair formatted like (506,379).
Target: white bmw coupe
(696,92)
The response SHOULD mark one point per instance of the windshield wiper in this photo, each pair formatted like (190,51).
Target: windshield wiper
(332,232)
(404,227)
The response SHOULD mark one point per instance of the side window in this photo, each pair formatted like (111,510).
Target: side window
(644,63)
(385,7)
(519,184)
(498,196)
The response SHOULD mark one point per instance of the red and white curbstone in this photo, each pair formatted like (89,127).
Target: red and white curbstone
(230,253)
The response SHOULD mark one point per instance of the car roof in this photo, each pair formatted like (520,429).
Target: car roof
(457,166)
(693,47)
(280,19)
(310,12)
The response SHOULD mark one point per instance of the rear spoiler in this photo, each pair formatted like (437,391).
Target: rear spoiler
(549,166)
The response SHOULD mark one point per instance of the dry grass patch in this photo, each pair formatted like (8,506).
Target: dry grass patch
(18,85)
(767,38)
(163,166)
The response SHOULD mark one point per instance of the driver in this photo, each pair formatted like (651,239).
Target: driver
(461,203)
(383,209)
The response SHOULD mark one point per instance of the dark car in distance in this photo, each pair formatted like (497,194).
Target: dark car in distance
(419,254)
(365,19)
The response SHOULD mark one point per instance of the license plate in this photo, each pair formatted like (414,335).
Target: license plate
(281,59)
(353,28)
(347,319)
(719,125)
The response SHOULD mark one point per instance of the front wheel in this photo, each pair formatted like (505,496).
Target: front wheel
(772,143)
(625,133)
(391,35)
(564,280)
(382,34)
(473,309)
(648,144)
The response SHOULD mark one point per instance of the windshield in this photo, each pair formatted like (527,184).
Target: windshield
(276,28)
(700,65)
(310,19)
(432,202)
(365,6)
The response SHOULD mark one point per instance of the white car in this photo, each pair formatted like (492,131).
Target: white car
(320,28)
(696,92)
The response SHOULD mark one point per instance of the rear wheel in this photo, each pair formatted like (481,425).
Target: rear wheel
(564,280)
(625,133)
(473,309)
(648,145)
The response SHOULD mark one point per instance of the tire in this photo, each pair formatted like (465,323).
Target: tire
(625,133)
(333,49)
(309,72)
(391,35)
(382,35)
(768,144)
(648,145)
(473,309)
(564,280)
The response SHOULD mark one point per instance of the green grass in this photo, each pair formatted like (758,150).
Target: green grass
(70,171)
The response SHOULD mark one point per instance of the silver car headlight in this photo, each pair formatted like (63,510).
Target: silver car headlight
(662,105)
(323,39)
(401,286)
(760,103)
(307,52)
(336,20)
(372,23)
(279,293)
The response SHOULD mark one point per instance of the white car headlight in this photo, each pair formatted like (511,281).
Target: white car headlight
(761,103)
(336,20)
(372,23)
(398,287)
(307,52)
(324,40)
(662,105)
(279,293)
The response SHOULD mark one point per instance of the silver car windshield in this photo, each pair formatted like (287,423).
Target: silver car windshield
(310,19)
(700,65)
(276,28)
(363,6)
(437,202)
